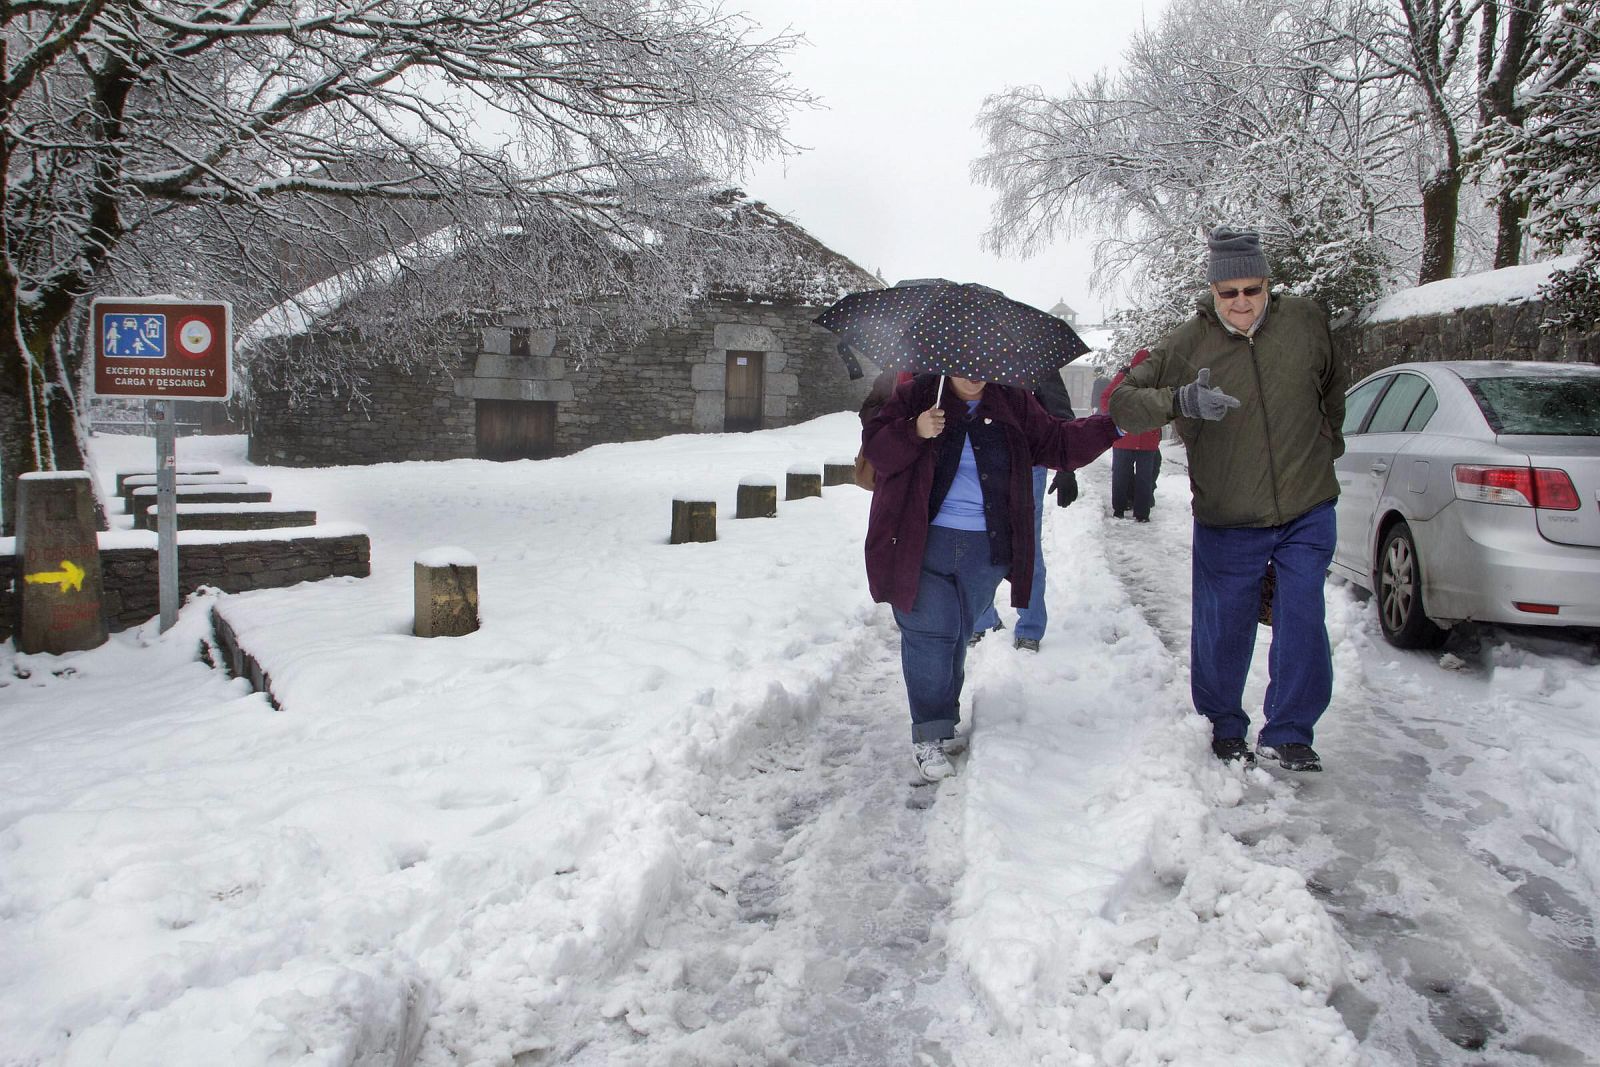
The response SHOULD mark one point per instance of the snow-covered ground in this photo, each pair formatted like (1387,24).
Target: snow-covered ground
(659,810)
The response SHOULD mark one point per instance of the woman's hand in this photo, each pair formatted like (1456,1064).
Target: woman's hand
(930,423)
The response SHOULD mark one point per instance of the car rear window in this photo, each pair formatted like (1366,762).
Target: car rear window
(1569,407)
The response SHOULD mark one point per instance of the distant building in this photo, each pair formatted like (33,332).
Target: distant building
(1065,313)
(507,390)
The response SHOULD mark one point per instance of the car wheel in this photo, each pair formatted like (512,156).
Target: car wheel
(1400,611)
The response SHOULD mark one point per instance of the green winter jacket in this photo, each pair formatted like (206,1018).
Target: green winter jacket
(1270,460)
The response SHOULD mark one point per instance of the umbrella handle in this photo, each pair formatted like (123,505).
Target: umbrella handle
(937,397)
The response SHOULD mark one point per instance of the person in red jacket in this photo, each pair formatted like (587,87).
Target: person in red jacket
(1135,458)
(952,514)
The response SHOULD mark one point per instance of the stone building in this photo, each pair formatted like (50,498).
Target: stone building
(505,389)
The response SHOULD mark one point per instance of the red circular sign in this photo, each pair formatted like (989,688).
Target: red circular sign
(195,338)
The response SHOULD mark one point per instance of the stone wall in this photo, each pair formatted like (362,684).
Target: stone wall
(1494,331)
(670,382)
(132,593)
(409,414)
(673,381)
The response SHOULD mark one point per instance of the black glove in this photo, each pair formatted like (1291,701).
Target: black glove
(1198,400)
(1065,486)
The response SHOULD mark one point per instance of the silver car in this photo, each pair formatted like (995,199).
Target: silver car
(1471,490)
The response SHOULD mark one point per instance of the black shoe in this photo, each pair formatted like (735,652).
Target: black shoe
(1029,643)
(1138,519)
(1232,750)
(1292,756)
(1116,514)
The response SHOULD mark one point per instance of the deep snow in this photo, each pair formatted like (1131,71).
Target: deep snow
(658,809)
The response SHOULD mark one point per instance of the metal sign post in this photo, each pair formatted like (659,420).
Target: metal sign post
(166,512)
(163,349)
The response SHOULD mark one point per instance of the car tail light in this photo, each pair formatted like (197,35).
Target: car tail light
(1523,487)
(1537,609)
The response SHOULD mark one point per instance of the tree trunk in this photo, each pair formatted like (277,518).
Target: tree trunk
(1513,210)
(38,429)
(1441,205)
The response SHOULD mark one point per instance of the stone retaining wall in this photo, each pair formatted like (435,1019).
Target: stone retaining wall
(1492,331)
(242,519)
(132,594)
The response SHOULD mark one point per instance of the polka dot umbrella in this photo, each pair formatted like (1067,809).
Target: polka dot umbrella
(969,330)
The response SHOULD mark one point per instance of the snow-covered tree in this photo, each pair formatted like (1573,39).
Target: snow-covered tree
(241,147)
(1509,56)
(1421,50)
(1551,158)
(1420,46)
(1204,125)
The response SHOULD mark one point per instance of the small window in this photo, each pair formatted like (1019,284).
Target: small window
(1394,410)
(1359,401)
(521,340)
(1424,411)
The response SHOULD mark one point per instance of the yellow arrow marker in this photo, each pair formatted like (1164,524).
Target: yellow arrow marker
(69,577)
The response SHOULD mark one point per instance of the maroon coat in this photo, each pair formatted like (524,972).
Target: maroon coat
(897,531)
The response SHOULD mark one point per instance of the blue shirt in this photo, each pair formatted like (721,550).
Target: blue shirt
(962,508)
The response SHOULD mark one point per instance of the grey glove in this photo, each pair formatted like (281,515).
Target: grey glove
(1198,400)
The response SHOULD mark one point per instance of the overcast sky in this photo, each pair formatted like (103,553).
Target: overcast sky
(885,180)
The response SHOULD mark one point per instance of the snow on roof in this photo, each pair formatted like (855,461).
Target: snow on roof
(813,275)
(1508,285)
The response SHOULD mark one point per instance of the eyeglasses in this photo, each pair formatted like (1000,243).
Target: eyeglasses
(1231,294)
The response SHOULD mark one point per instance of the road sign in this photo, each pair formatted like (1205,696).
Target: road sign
(162,349)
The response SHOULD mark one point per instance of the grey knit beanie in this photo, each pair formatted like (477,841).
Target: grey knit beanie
(1235,254)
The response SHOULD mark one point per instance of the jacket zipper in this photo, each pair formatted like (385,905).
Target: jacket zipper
(1266,423)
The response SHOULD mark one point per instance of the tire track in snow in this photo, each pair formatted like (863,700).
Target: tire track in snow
(1470,926)
(811,925)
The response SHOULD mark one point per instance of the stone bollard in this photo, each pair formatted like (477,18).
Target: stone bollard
(758,499)
(839,473)
(58,557)
(694,520)
(802,483)
(446,594)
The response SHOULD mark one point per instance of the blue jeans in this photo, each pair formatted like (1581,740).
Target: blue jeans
(1032,619)
(957,577)
(1228,566)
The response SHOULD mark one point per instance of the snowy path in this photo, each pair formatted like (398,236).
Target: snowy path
(1471,924)
(658,811)
(816,905)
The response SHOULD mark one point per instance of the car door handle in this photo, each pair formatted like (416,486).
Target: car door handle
(1379,467)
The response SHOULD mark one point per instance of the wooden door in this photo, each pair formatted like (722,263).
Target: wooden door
(516,429)
(746,388)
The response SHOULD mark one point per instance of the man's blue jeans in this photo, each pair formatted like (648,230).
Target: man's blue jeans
(957,578)
(1032,619)
(1228,567)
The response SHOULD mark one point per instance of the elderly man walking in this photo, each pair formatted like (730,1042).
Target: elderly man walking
(1256,393)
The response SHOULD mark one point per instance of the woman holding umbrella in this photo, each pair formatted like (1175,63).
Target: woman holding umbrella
(952,514)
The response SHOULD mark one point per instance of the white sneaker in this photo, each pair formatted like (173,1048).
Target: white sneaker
(931,760)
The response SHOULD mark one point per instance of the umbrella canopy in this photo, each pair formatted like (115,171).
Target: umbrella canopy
(967,330)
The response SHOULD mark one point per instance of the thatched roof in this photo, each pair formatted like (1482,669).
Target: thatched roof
(810,273)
